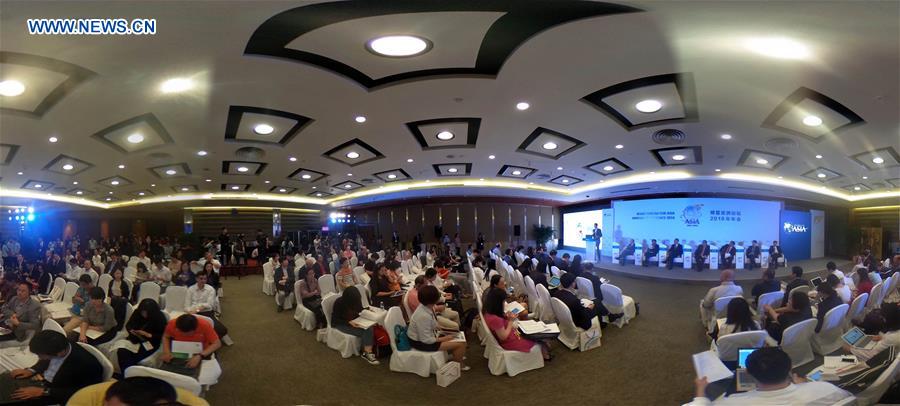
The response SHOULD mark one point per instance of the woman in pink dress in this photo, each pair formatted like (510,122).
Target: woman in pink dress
(503,325)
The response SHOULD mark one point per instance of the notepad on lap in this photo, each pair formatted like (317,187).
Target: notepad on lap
(363,322)
(587,302)
(93,334)
(707,364)
(186,349)
(513,307)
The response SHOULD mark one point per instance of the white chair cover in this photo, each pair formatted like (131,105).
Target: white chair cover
(501,361)
(405,302)
(130,273)
(857,309)
(547,315)
(61,284)
(876,296)
(51,324)
(358,271)
(175,298)
(348,345)
(149,290)
(804,289)
(616,302)
(304,316)
(873,393)
(177,380)
(555,271)
(772,299)
(268,279)
(121,334)
(94,276)
(585,288)
(363,295)
(727,346)
(719,308)
(796,342)
(828,339)
(103,282)
(571,335)
(71,287)
(104,362)
(533,301)
(326,285)
(414,361)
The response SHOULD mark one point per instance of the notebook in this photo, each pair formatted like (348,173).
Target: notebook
(708,364)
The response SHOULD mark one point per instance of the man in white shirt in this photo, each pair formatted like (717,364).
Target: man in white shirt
(209,258)
(726,288)
(201,299)
(771,367)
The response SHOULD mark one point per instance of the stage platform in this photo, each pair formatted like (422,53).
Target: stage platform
(811,269)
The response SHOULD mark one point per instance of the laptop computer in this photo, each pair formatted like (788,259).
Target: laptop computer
(743,380)
(816,281)
(553,282)
(858,338)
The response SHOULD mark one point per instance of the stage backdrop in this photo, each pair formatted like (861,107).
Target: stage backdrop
(577,225)
(694,219)
(796,230)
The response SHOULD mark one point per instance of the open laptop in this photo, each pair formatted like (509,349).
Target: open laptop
(816,281)
(743,380)
(553,282)
(858,338)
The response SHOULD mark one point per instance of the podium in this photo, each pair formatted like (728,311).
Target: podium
(615,251)
(713,257)
(590,250)
(739,257)
(687,257)
(638,254)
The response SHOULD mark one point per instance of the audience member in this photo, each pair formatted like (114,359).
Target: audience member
(798,309)
(145,331)
(201,299)
(828,299)
(889,337)
(118,288)
(65,368)
(284,283)
(311,296)
(188,328)
(503,325)
(767,285)
(581,316)
(345,278)
(864,285)
(185,277)
(20,314)
(346,310)
(79,300)
(423,327)
(795,280)
(843,291)
(97,316)
(739,318)
(135,391)
(726,288)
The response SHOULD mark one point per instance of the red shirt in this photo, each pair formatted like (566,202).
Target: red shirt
(864,287)
(203,334)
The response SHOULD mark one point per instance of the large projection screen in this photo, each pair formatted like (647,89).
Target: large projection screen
(695,219)
(579,224)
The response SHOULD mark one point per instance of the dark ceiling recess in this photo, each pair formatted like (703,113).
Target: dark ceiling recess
(669,136)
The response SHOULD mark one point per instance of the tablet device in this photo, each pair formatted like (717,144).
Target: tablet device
(858,338)
(553,282)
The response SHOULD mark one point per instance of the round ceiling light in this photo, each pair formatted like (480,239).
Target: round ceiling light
(11,88)
(452,170)
(726,136)
(207,180)
(235,187)
(360,119)
(718,170)
(176,85)
(491,156)
(108,199)
(878,160)
(293,159)
(550,145)
(445,135)
(818,157)
(522,105)
(352,155)
(678,157)
(620,146)
(865,177)
(516,173)
(762,161)
(857,188)
(608,168)
(68,167)
(306,176)
(38,185)
(79,193)
(782,48)
(392,176)
(121,166)
(184,189)
(171,172)
(821,175)
(152,185)
(141,193)
(114,183)
(648,106)
(135,138)
(53,139)
(243,169)
(812,121)
(410,160)
(349,174)
(398,46)
(282,190)
(559,168)
(263,129)
(565,181)
(348,186)
(75,182)
(318,195)
(201,153)
(20,173)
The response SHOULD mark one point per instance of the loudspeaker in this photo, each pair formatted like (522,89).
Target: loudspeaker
(517,230)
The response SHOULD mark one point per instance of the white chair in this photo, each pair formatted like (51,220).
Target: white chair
(326,285)
(727,346)
(772,299)
(121,334)
(177,380)
(268,279)
(804,289)
(348,345)
(130,273)
(363,295)
(103,282)
(828,339)
(546,315)
(104,362)
(51,324)
(59,286)
(414,361)
(876,295)
(887,285)
(554,270)
(304,316)
(358,271)
(719,308)
(873,393)
(149,290)
(175,298)
(616,303)
(501,361)
(571,335)
(533,301)
(405,302)
(71,288)
(94,276)
(796,342)
(857,310)
(585,288)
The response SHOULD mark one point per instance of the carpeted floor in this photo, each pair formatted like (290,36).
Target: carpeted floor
(648,362)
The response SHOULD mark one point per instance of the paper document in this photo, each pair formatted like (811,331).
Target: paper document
(93,334)
(186,349)
(535,327)
(708,364)
(587,302)
(513,307)
(363,322)
(460,337)
(373,313)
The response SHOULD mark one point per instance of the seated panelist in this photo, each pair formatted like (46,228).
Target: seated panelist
(629,250)
(701,255)
(675,250)
(651,251)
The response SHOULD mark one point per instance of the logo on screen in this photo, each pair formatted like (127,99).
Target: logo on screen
(794,228)
(691,215)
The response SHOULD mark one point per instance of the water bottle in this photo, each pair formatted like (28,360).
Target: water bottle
(381,305)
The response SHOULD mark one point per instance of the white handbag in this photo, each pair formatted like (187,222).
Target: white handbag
(447,374)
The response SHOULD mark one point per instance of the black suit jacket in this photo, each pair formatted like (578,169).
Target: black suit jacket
(753,251)
(773,249)
(675,251)
(629,250)
(581,315)
(729,249)
(80,369)
(653,250)
(280,273)
(702,251)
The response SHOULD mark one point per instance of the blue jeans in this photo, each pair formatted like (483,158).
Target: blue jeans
(367,335)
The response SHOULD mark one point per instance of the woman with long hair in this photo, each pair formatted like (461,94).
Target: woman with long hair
(797,309)
(145,330)
(346,309)
(503,325)
(738,318)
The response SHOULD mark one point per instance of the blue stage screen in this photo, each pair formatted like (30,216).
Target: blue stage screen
(795,234)
(577,225)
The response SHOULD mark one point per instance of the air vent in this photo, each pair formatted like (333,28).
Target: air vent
(367,180)
(669,136)
(59,189)
(615,192)
(878,185)
(755,189)
(251,153)
(780,144)
(543,176)
(160,156)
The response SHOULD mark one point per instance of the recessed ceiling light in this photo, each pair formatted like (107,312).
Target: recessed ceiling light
(559,168)
(360,119)
(398,45)
(282,190)
(491,156)
(152,185)
(726,136)
(857,188)
(522,105)
(565,181)
(184,189)
(114,183)
(121,166)
(782,48)
(263,129)
(878,160)
(452,170)
(608,168)
(652,172)
(352,155)
(812,121)
(306,176)
(818,157)
(392,176)
(108,199)
(318,195)
(20,173)
(550,145)
(201,153)
(207,180)
(267,182)
(75,182)
(141,193)
(410,160)
(648,106)
(348,186)
(315,187)
(781,177)
(53,139)
(762,161)
(445,135)
(865,177)
(620,146)
(135,138)
(427,180)
(38,185)
(517,173)
(293,159)
(349,174)
(11,88)
(110,193)
(176,85)
(171,172)
(79,193)
(482,179)
(243,169)
(821,175)
(235,187)
(718,170)
(678,157)
(68,167)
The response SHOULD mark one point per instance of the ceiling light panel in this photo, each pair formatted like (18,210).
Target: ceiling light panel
(246,123)
(38,185)
(140,194)
(347,186)
(752,158)
(816,175)
(536,142)
(857,188)
(46,81)
(565,180)
(887,157)
(678,156)
(115,182)
(61,162)
(393,175)
(515,172)
(452,169)
(464,129)
(802,105)
(177,170)
(79,192)
(609,166)
(235,187)
(243,168)
(366,152)
(282,190)
(319,194)
(674,92)
(307,175)
(147,125)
